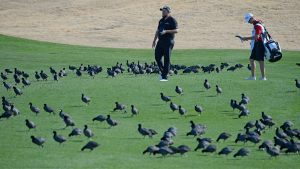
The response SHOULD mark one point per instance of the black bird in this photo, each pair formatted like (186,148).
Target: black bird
(30,124)
(206,84)
(249,125)
(297,84)
(72,67)
(182,149)
(179,90)
(173,106)
(75,132)
(63,114)
(202,144)
(267,122)
(55,77)
(242,152)
(224,136)
(43,75)
(3,76)
(280,134)
(17,79)
(241,137)
(210,149)
(286,125)
(68,121)
(7,114)
(218,89)
(144,131)
(25,75)
(182,111)
(198,109)
(14,110)
(111,122)
(260,126)
(265,144)
(58,138)
(151,149)
(265,116)
(25,82)
(6,102)
(253,138)
(38,140)
(226,151)
(37,76)
(233,104)
(165,98)
(120,107)
(85,99)
(165,150)
(87,132)
(17,91)
(99,118)
(90,145)
(244,113)
(48,109)
(245,99)
(273,151)
(7,85)
(8,71)
(134,111)
(52,71)
(293,147)
(34,109)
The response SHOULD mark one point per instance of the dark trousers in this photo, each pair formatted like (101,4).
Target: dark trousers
(163,49)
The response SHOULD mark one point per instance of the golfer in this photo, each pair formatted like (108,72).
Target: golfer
(165,33)
(257,46)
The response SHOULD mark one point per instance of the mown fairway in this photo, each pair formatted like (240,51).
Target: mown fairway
(122,146)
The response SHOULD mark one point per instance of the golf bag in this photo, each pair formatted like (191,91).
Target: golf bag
(272,48)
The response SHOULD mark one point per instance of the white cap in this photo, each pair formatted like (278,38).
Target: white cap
(248,16)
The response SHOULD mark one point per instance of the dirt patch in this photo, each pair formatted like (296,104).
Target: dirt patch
(131,23)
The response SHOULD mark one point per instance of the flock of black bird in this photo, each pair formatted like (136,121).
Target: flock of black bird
(284,136)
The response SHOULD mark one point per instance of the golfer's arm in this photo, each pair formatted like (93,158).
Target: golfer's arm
(173,31)
(251,37)
(155,36)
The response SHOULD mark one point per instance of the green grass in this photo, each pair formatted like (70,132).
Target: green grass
(122,146)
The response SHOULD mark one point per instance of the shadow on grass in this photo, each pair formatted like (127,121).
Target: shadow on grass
(291,91)
(212,96)
(198,91)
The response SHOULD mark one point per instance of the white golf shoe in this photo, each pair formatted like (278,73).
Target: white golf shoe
(250,78)
(263,78)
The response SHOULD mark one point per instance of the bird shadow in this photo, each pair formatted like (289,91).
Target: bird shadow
(172,118)
(156,104)
(291,91)
(133,138)
(198,91)
(23,131)
(226,111)
(77,141)
(212,96)
(127,117)
(75,106)
(191,115)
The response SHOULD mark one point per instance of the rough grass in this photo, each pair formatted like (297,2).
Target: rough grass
(122,146)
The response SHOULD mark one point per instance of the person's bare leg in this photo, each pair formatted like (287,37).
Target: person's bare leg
(262,69)
(253,66)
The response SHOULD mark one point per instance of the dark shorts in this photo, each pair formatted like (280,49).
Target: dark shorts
(258,51)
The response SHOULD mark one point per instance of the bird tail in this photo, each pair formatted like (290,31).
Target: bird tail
(144,152)
(83,148)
